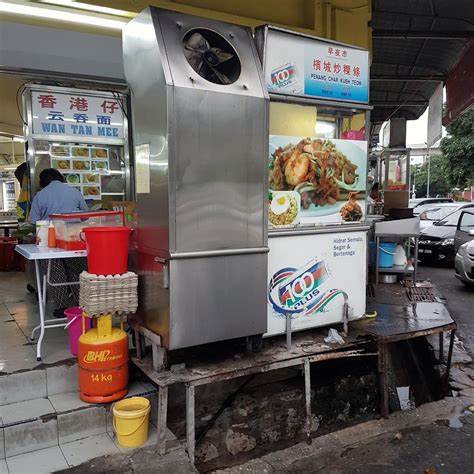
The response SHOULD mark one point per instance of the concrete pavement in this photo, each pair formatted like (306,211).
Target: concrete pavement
(434,438)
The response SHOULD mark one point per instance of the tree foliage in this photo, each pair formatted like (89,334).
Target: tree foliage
(438,184)
(458,148)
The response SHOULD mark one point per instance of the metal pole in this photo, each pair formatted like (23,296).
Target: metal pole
(190,432)
(449,359)
(162,418)
(428,178)
(288,331)
(307,393)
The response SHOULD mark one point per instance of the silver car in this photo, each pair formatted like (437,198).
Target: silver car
(464,263)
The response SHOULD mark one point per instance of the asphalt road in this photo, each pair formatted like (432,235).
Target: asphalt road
(460,300)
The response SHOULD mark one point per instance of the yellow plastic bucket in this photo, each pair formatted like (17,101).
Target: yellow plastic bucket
(131,421)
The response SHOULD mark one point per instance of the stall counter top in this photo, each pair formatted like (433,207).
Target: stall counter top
(33,252)
(305,230)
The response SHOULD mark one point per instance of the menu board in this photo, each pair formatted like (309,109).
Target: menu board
(74,113)
(316,181)
(81,166)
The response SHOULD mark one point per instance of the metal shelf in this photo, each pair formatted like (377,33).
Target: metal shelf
(397,269)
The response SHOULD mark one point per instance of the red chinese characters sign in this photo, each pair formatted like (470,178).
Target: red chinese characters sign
(70,115)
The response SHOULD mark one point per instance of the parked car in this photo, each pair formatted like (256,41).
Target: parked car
(465,228)
(431,213)
(415,203)
(437,241)
(464,263)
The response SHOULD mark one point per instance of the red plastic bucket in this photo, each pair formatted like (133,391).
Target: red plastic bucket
(74,327)
(107,249)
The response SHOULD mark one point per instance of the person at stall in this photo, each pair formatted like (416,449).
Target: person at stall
(374,194)
(22,204)
(57,197)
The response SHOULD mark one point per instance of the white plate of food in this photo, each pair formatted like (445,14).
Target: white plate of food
(80,151)
(72,178)
(283,208)
(321,171)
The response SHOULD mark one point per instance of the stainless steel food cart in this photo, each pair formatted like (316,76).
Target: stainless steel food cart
(200,132)
(318,123)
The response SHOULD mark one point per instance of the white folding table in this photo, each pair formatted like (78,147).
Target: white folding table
(35,253)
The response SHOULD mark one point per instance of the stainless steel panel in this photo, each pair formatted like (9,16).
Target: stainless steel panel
(147,79)
(219,149)
(214,299)
(153,296)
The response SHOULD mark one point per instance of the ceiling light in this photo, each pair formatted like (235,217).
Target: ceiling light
(51,14)
(89,7)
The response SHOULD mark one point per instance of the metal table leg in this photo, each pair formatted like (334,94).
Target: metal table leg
(441,348)
(448,360)
(307,393)
(288,331)
(162,419)
(415,263)
(190,429)
(41,288)
(377,243)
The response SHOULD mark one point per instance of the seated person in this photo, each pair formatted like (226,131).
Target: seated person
(58,197)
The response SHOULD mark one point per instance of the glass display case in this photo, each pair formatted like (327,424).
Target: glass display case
(396,169)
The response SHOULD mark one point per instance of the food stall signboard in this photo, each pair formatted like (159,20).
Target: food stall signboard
(307,282)
(316,181)
(305,66)
(77,115)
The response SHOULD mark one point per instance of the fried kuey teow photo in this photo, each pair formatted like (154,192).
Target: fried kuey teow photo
(314,168)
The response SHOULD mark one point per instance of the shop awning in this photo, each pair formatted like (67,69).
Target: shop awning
(416,44)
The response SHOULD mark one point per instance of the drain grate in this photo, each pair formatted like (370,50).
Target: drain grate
(423,294)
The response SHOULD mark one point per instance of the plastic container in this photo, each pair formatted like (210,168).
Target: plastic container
(7,253)
(74,326)
(107,250)
(386,253)
(51,235)
(68,227)
(131,421)
(42,233)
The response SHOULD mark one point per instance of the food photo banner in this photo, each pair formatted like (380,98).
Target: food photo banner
(302,66)
(76,114)
(316,181)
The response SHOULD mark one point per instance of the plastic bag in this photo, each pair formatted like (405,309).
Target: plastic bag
(333,337)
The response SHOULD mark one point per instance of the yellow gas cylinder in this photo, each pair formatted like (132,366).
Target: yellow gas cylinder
(103,362)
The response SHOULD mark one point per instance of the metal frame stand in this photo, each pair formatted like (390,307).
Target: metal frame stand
(42,288)
(192,378)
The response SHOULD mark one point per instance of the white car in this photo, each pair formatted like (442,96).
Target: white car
(464,263)
(433,212)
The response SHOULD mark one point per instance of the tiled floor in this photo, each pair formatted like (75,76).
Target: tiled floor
(19,314)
